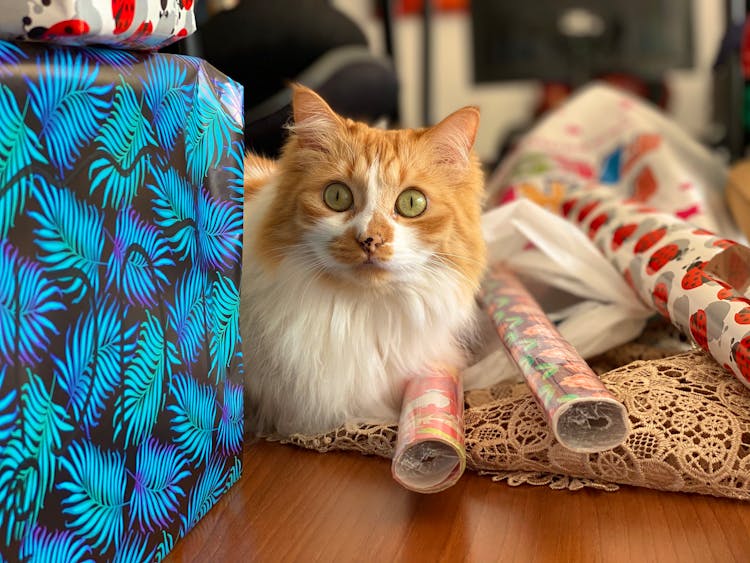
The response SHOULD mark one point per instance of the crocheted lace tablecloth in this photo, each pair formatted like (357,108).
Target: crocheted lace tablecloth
(690,430)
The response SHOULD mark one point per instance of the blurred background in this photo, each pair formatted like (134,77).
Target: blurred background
(413,61)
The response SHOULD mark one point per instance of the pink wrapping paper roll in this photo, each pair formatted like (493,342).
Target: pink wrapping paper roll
(693,278)
(430,454)
(582,414)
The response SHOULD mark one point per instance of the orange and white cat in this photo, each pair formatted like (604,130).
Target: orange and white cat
(362,256)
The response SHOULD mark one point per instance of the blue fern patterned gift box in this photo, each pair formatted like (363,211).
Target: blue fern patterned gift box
(120,240)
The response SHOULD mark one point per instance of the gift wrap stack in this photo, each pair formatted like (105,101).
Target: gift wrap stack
(121,405)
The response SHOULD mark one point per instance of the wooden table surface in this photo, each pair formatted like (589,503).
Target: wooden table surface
(295,505)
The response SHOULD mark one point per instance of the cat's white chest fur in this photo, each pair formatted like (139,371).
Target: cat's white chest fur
(317,355)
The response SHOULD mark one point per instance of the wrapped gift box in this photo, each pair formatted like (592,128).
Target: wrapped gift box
(133,24)
(121,405)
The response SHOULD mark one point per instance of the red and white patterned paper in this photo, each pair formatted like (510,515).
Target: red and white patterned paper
(693,278)
(607,162)
(128,24)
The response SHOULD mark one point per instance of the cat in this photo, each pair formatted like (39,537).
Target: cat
(362,256)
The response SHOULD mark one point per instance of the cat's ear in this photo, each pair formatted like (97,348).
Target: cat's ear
(453,137)
(314,120)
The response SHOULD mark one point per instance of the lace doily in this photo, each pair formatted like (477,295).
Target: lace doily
(690,432)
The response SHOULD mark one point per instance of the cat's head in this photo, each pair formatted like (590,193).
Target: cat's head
(378,208)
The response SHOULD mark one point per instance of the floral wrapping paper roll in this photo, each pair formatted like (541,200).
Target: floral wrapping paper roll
(583,415)
(693,278)
(430,454)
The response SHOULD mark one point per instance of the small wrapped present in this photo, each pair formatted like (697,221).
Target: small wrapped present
(121,404)
(130,24)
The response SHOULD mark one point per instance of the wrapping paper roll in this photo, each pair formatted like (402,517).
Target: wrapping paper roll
(695,279)
(672,259)
(583,415)
(430,454)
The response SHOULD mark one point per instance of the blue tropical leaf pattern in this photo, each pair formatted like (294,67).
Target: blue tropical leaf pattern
(124,138)
(13,197)
(10,54)
(167,95)
(139,259)
(8,410)
(175,207)
(19,148)
(164,547)
(219,232)
(121,61)
(193,417)
(143,395)
(224,304)
(134,548)
(66,91)
(28,465)
(209,128)
(120,245)
(27,300)
(95,492)
(187,316)
(234,473)
(64,238)
(159,470)
(20,143)
(89,372)
(205,494)
(231,423)
(236,168)
(45,546)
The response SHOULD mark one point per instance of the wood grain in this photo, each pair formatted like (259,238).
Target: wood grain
(295,505)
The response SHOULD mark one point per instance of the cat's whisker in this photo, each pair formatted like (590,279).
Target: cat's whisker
(309,284)
(298,253)
(286,250)
(436,274)
(455,271)
(461,256)
(277,253)
(313,266)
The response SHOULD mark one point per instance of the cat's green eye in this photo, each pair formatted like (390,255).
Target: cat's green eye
(338,196)
(411,203)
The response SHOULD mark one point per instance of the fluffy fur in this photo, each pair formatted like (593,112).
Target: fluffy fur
(331,334)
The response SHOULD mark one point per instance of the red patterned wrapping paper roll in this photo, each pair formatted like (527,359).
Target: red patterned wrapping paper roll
(430,455)
(693,278)
(582,414)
